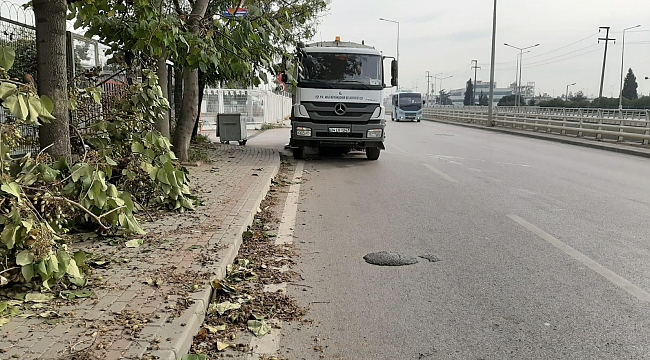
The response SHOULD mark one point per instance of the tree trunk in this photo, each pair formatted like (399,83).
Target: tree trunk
(52,73)
(189,110)
(178,92)
(198,115)
(162,124)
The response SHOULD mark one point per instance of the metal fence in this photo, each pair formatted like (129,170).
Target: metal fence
(18,32)
(630,125)
(85,55)
(631,114)
(258,107)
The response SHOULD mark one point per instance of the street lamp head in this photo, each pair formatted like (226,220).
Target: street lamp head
(572,84)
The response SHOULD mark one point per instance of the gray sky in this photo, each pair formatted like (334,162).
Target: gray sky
(444,36)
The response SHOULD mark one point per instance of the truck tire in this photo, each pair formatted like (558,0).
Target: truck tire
(299,152)
(372,153)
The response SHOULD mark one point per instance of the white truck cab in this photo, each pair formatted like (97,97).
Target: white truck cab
(338,100)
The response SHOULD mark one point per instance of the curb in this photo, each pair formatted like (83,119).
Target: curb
(555,138)
(183,328)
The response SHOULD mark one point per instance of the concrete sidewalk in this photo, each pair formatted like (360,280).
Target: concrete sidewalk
(630,149)
(150,301)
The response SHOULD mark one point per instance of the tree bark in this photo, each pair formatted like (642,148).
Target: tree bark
(162,124)
(52,74)
(178,92)
(195,131)
(190,108)
(189,112)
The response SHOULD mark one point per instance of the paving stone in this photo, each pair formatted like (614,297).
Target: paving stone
(229,195)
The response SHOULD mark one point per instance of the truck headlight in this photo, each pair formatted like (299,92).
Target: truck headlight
(375,133)
(303,131)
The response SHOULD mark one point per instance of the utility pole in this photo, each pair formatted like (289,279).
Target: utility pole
(492,61)
(475,67)
(606,39)
(428,77)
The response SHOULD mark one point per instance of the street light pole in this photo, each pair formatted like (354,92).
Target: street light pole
(428,83)
(521,60)
(492,60)
(451,76)
(397,57)
(566,97)
(475,67)
(620,96)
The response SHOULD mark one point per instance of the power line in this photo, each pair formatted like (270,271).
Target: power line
(546,62)
(551,51)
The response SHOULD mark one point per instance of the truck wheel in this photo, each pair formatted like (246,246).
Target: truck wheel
(299,152)
(372,153)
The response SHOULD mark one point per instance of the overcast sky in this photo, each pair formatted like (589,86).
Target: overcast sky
(444,36)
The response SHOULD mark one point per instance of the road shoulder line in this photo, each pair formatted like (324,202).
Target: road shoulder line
(611,276)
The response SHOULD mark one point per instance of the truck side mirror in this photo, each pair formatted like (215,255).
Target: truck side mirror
(424,102)
(393,73)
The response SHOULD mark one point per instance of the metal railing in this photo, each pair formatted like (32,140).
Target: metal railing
(258,107)
(632,126)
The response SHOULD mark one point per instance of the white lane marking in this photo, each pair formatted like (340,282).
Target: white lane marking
(288,222)
(512,164)
(593,265)
(493,149)
(442,174)
(451,159)
(399,149)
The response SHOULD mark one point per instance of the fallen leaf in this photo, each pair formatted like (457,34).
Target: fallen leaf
(222,346)
(135,243)
(71,295)
(48,314)
(38,297)
(4,321)
(259,327)
(195,357)
(3,281)
(225,306)
(215,329)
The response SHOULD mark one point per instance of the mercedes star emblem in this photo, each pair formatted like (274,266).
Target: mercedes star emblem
(340,109)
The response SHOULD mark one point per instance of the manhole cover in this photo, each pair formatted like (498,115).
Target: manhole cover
(386,258)
(430,257)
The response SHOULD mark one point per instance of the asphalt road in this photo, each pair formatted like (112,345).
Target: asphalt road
(544,250)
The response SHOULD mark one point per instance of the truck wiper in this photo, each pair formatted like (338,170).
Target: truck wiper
(320,82)
(357,83)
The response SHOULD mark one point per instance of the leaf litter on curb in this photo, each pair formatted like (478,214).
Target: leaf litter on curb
(240,305)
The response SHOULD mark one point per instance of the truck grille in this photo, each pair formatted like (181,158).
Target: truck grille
(340,135)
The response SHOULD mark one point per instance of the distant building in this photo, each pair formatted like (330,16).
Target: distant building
(458,95)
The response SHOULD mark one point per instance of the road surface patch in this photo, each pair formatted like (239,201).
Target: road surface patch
(385,258)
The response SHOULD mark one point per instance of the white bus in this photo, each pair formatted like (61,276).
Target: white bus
(406,106)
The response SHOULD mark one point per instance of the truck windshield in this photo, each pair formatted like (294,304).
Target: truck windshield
(410,102)
(343,70)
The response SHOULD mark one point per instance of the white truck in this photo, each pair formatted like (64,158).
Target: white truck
(338,97)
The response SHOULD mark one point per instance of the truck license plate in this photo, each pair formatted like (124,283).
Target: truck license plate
(339,130)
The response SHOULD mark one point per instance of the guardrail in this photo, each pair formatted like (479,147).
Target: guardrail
(619,129)
(632,114)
